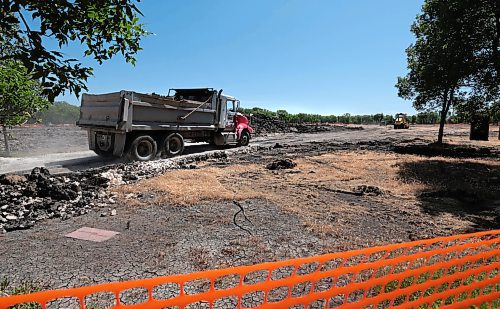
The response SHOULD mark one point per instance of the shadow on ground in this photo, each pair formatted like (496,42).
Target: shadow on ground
(465,189)
(447,150)
(96,161)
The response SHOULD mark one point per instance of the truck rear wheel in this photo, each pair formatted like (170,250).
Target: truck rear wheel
(173,145)
(143,148)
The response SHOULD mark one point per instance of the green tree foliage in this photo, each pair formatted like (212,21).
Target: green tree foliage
(427,118)
(283,115)
(495,113)
(59,113)
(20,95)
(103,27)
(260,112)
(378,117)
(454,59)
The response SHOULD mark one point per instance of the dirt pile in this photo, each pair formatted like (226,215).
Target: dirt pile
(281,164)
(264,125)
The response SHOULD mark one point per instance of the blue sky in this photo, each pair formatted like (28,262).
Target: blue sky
(313,56)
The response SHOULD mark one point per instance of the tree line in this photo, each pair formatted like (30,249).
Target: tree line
(59,113)
(428,117)
(62,112)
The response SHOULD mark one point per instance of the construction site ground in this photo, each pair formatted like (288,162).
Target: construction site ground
(349,189)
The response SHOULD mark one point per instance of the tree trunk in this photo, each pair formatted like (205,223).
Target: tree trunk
(444,113)
(496,39)
(6,141)
(441,125)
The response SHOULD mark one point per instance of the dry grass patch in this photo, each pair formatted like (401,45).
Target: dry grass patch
(306,189)
(188,187)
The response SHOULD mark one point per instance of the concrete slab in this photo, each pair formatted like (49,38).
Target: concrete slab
(92,234)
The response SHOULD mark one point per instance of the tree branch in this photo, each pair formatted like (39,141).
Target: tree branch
(27,28)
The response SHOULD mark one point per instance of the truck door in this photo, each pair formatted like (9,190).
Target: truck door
(230,112)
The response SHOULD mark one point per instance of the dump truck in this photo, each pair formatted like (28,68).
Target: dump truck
(143,127)
(401,122)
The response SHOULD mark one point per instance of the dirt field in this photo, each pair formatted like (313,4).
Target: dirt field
(39,140)
(349,189)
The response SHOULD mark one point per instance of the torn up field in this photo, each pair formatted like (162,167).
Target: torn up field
(275,202)
(349,196)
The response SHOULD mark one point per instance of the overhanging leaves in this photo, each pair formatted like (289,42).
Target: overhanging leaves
(103,27)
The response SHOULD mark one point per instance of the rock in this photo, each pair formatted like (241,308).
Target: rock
(98,181)
(277,145)
(133,177)
(11,217)
(113,176)
(113,212)
(281,164)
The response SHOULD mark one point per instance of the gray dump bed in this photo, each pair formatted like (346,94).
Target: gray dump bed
(128,110)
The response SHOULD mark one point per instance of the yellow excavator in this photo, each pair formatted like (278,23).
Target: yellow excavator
(401,122)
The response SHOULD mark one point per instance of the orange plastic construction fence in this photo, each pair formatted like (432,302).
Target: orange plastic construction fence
(456,271)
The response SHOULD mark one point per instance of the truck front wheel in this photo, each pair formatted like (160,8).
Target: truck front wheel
(143,148)
(244,138)
(173,145)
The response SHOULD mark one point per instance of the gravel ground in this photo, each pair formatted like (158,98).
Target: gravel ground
(167,239)
(160,241)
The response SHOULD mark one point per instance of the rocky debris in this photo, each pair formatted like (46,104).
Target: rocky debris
(40,196)
(27,199)
(264,125)
(113,176)
(281,164)
(368,190)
